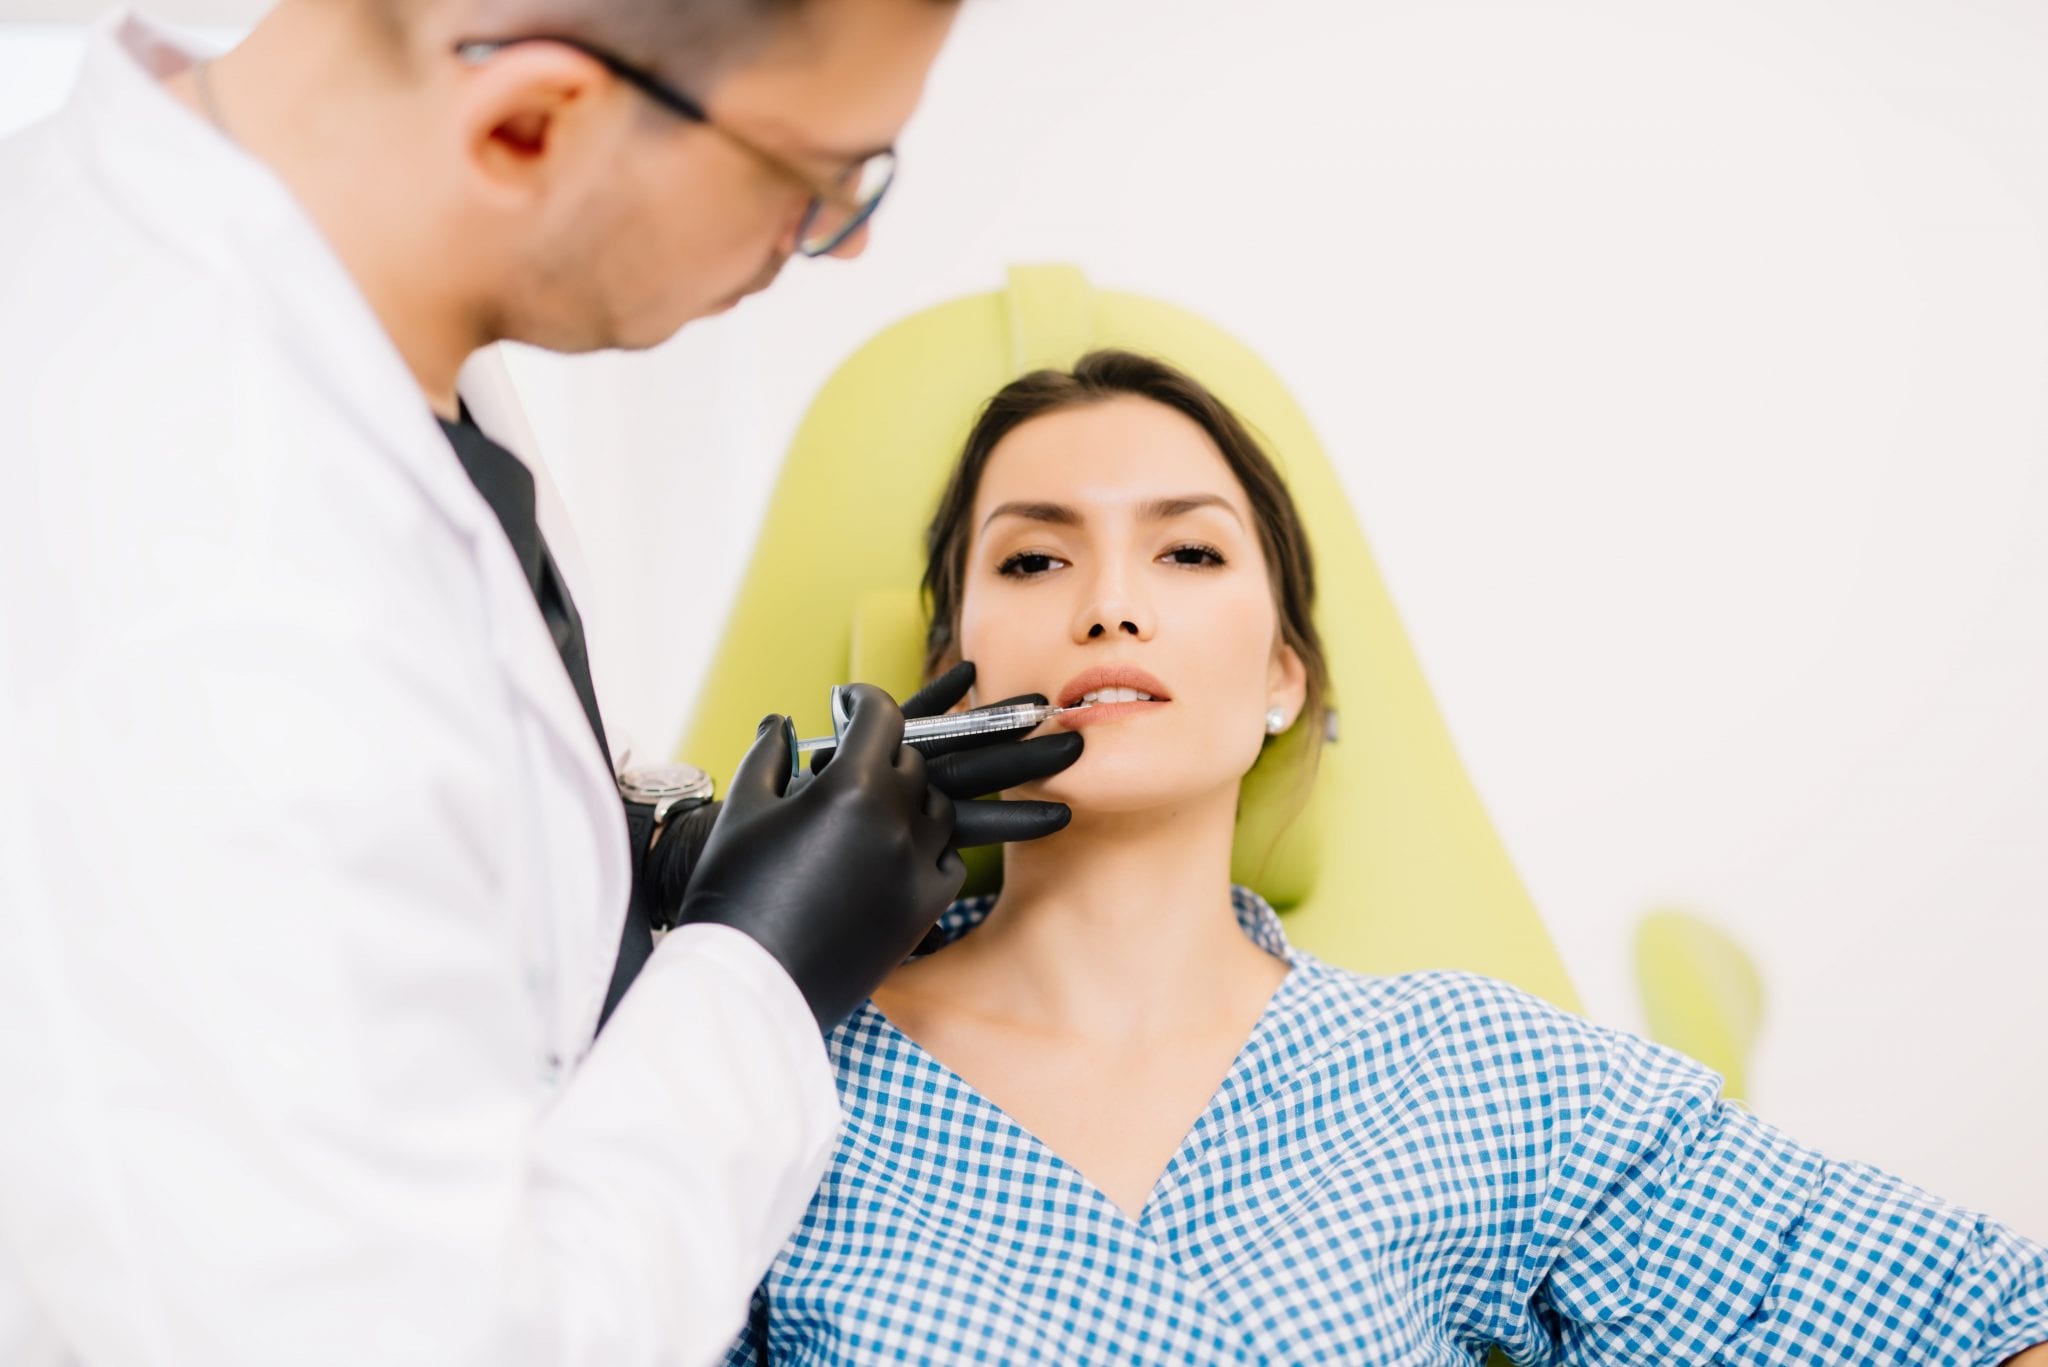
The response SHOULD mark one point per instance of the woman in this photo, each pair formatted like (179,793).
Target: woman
(1122,1120)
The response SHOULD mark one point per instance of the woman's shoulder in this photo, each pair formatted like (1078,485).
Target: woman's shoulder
(1468,1036)
(1463,1025)
(1443,1004)
(1439,998)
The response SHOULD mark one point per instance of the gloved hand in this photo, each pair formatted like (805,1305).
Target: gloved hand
(839,878)
(965,768)
(839,874)
(975,766)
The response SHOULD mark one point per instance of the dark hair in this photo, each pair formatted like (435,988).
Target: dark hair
(1097,377)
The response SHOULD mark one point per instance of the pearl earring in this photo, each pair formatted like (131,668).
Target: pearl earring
(1276,721)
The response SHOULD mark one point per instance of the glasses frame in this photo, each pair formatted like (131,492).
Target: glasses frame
(683,106)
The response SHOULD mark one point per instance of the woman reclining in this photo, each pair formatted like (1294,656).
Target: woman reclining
(1118,1118)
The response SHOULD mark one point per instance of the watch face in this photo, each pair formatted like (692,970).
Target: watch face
(665,784)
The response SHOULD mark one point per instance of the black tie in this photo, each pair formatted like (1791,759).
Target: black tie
(507,486)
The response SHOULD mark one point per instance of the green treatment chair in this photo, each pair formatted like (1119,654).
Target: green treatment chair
(1701,993)
(1389,864)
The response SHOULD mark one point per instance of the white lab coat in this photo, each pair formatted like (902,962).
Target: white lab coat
(310,873)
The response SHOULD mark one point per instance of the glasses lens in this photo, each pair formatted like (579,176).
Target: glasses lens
(863,186)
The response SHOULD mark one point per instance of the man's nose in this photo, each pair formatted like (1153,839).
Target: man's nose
(792,234)
(787,240)
(856,242)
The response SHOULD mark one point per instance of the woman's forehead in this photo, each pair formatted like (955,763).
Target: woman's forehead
(1107,456)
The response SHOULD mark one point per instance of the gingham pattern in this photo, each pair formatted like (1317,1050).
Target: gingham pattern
(1396,1170)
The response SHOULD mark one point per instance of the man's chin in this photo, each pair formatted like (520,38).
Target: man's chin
(647,338)
(718,308)
(739,296)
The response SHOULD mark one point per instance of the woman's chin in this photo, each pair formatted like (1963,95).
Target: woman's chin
(1111,792)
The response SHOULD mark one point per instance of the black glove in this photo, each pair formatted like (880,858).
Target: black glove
(968,767)
(838,877)
(964,768)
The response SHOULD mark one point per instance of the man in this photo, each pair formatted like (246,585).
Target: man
(314,870)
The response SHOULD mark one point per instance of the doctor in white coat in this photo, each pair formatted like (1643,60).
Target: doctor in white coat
(313,870)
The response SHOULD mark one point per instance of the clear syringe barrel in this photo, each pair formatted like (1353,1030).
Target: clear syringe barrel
(980,722)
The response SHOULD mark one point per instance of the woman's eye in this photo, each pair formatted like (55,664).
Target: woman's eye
(1194,555)
(1025,564)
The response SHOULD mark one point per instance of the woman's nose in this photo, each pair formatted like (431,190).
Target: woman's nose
(1126,625)
(1108,615)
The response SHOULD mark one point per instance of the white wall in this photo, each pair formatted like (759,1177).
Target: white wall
(1688,365)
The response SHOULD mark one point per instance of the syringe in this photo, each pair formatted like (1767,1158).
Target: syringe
(984,721)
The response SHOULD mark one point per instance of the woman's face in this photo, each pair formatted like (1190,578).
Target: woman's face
(1112,548)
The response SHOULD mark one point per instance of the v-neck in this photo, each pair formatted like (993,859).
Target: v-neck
(1247,1068)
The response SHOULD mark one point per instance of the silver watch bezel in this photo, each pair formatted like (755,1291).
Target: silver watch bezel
(666,787)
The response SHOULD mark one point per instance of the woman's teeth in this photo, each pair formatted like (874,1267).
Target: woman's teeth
(1114,695)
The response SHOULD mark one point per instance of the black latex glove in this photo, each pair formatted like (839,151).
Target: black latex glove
(841,877)
(969,767)
(965,768)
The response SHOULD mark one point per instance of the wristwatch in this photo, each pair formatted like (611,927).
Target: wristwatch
(651,793)
(666,788)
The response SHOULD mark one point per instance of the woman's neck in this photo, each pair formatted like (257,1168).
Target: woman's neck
(1119,927)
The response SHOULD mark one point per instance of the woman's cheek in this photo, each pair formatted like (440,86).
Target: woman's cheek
(1000,665)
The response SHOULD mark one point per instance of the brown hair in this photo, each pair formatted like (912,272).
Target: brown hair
(1097,377)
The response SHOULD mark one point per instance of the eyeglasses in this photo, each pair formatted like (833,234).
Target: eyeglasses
(839,205)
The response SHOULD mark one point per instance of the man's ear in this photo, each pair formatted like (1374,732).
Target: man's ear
(521,109)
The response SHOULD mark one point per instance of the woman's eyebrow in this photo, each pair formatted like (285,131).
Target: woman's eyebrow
(1160,509)
(1057,513)
(1156,510)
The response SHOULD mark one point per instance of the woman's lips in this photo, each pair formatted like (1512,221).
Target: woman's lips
(1076,718)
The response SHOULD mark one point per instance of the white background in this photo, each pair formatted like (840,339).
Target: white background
(1686,363)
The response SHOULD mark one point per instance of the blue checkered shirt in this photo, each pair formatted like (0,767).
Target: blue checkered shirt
(1396,1170)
